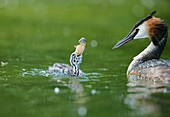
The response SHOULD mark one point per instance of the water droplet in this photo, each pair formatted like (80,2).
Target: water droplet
(93,91)
(82,111)
(93,43)
(56,90)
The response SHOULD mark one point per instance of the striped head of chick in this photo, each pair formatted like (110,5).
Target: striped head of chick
(81,47)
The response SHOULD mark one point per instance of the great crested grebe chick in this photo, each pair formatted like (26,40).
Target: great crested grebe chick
(148,64)
(75,61)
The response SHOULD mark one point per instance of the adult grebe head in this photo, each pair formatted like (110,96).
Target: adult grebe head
(150,26)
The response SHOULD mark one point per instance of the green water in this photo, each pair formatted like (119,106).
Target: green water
(35,34)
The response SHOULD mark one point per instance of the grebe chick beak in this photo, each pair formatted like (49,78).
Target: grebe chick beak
(140,30)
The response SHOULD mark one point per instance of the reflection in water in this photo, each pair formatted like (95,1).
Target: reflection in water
(79,96)
(139,96)
(76,88)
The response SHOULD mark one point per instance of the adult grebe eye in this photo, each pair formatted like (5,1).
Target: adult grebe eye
(137,29)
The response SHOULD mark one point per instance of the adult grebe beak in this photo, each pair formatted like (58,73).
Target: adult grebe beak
(139,30)
(128,38)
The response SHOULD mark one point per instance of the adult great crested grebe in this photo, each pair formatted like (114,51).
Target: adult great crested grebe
(148,64)
(75,61)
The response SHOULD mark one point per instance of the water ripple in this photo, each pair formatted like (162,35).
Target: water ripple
(140,96)
(42,72)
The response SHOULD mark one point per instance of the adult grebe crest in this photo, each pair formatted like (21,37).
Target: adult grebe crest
(148,63)
(75,61)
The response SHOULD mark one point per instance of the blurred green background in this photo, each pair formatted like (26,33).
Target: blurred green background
(39,33)
(36,27)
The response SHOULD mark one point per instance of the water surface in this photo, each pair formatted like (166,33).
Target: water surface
(37,34)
